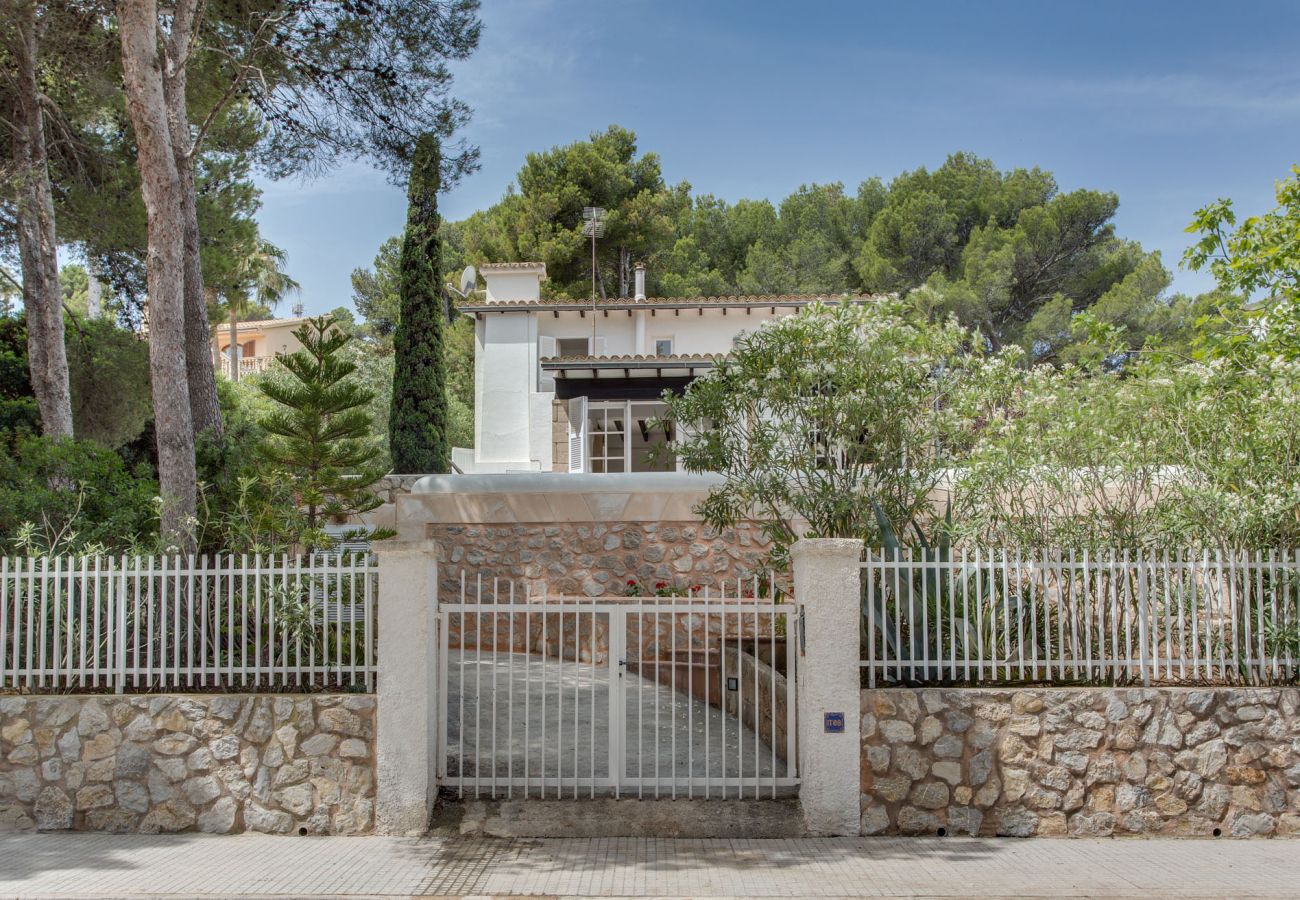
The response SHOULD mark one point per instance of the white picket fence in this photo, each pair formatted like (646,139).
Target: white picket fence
(1003,616)
(131,623)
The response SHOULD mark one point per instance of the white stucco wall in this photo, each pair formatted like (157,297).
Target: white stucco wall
(691,331)
(513,284)
(617,329)
(505,367)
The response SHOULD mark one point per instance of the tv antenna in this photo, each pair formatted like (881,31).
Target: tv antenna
(593,226)
(593,219)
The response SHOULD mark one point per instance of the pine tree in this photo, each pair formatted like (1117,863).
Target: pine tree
(320,437)
(417,428)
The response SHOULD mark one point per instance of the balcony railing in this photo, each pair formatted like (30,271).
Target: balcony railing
(248,365)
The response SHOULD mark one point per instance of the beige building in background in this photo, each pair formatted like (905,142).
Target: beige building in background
(259,342)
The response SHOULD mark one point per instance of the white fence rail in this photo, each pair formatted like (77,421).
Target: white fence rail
(1002,616)
(560,696)
(187,623)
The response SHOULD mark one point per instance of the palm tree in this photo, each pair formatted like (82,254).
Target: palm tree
(260,278)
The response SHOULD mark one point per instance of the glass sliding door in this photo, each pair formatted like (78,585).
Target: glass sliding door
(607,433)
(627,436)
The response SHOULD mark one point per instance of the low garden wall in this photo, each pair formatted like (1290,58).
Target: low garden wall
(163,763)
(1081,761)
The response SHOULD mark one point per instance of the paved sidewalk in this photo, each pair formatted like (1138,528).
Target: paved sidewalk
(91,865)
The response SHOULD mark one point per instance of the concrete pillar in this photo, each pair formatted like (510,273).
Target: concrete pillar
(827,579)
(406,733)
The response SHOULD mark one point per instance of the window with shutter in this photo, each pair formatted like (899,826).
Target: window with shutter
(578,434)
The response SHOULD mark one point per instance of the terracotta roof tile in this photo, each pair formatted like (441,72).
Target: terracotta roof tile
(509,266)
(649,302)
(255,324)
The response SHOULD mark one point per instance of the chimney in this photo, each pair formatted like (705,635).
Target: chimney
(640,281)
(512,282)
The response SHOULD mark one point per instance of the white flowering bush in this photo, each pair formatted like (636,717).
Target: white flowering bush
(818,417)
(1235,428)
(1170,455)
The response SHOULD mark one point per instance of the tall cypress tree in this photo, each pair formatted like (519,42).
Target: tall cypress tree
(417,430)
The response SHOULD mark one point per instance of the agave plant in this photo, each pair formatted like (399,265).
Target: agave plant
(936,611)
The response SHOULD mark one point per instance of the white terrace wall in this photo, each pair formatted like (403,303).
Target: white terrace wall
(1082,762)
(161,763)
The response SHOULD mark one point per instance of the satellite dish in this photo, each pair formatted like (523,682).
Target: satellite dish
(468,281)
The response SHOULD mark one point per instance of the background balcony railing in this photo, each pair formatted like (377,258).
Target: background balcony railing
(248,365)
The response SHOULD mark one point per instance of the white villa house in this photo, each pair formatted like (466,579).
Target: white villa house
(574,385)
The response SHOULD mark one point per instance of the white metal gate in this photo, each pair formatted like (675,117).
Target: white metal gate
(560,696)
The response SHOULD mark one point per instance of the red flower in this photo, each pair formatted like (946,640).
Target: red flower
(631,582)
(660,585)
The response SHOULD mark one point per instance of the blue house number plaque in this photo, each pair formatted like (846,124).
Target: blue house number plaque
(834,723)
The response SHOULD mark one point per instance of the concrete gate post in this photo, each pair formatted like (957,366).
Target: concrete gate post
(406,734)
(827,578)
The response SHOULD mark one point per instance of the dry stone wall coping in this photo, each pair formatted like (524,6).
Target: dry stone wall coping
(283,764)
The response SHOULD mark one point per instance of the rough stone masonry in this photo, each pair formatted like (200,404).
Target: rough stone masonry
(1081,761)
(162,763)
(596,559)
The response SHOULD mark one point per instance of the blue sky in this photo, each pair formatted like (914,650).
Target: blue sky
(1170,104)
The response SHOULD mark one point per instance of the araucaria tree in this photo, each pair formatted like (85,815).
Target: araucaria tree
(418,424)
(319,438)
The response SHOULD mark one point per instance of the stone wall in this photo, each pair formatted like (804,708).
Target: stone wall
(161,763)
(559,436)
(1081,761)
(762,703)
(595,559)
(584,637)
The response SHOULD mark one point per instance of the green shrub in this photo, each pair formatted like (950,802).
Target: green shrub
(70,496)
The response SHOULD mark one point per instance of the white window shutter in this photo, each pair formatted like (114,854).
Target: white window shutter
(578,434)
(599,347)
(546,348)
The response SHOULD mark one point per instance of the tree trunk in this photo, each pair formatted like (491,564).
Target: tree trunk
(161,189)
(37,240)
(205,409)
